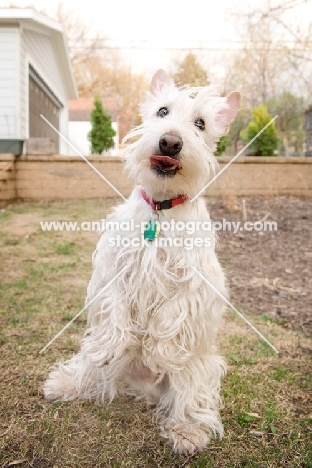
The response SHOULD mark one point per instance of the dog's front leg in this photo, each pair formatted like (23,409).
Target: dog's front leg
(180,345)
(189,410)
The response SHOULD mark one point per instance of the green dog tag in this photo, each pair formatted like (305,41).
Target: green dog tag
(152,230)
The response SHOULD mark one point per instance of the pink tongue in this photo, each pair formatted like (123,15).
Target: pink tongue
(164,162)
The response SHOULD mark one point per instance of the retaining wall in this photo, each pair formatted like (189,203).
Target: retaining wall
(69,177)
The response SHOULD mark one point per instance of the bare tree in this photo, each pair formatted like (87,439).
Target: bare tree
(278,32)
(96,77)
(101,70)
(260,68)
(84,42)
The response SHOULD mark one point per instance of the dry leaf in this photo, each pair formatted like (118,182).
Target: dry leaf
(254,415)
(17,462)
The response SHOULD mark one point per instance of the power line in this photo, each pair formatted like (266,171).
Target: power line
(221,41)
(213,49)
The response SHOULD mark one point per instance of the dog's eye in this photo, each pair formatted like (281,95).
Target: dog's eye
(200,124)
(163,111)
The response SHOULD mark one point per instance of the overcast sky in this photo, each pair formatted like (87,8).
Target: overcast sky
(161,20)
(148,24)
(160,26)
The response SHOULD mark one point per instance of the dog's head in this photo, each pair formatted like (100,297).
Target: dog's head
(178,136)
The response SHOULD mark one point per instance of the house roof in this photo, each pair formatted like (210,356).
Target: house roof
(32,19)
(80,109)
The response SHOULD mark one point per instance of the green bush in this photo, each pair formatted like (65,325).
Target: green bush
(102,133)
(266,143)
(221,146)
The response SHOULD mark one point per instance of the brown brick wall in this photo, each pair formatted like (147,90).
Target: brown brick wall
(69,177)
(7,178)
(265,176)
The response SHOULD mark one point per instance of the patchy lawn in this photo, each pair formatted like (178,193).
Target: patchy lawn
(267,398)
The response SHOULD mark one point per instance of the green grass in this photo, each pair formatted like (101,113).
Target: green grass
(65,248)
(267,412)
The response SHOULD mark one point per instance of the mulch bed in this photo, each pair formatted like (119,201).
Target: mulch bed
(269,272)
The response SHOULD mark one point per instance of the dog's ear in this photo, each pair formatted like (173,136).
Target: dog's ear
(158,81)
(226,116)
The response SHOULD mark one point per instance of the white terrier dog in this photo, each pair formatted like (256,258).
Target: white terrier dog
(151,331)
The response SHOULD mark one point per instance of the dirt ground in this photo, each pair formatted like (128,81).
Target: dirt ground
(269,272)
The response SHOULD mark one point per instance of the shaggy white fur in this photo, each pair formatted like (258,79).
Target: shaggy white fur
(152,333)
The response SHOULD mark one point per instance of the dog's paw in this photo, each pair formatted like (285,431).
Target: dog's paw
(59,386)
(187,438)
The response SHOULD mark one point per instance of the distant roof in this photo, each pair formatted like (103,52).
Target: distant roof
(80,109)
(29,19)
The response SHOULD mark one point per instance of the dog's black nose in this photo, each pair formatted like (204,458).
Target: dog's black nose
(170,144)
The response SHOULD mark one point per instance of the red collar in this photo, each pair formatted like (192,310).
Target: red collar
(165,204)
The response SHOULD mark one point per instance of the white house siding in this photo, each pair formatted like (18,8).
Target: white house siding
(9,72)
(24,117)
(64,130)
(37,50)
(78,137)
